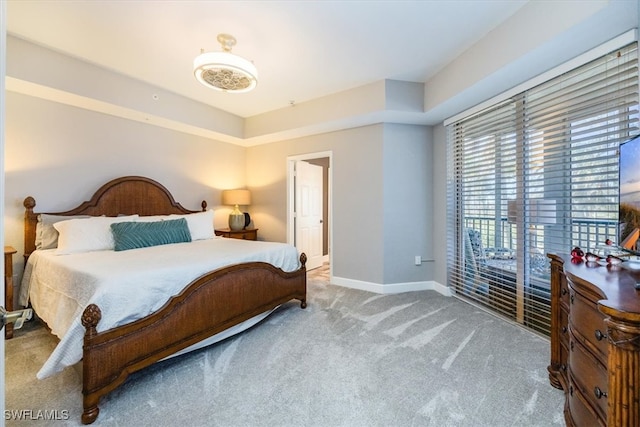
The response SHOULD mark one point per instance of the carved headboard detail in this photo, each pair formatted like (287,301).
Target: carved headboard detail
(127,195)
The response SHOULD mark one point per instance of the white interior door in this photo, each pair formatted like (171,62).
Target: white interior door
(308,212)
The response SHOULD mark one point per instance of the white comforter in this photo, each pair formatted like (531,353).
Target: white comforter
(126,285)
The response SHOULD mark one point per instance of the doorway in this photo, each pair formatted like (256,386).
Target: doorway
(309,206)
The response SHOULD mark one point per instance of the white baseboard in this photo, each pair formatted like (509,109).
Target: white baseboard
(392,288)
(442,289)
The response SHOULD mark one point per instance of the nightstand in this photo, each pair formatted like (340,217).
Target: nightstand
(8,287)
(246,234)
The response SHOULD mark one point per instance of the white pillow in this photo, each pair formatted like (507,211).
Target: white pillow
(152,218)
(200,224)
(46,234)
(87,234)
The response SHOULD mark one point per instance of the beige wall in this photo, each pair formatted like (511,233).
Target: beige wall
(381,199)
(408,205)
(60,155)
(357,195)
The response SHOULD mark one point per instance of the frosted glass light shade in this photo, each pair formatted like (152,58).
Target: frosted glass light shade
(225,71)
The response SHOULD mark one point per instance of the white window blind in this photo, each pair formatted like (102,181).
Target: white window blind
(537,173)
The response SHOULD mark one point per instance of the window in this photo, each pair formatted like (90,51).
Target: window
(533,174)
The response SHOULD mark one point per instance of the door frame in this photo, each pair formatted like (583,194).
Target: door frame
(291,160)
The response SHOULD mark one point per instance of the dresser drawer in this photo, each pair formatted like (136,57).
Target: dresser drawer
(587,325)
(589,377)
(580,411)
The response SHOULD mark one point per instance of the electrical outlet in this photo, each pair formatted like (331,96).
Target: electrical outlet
(418,260)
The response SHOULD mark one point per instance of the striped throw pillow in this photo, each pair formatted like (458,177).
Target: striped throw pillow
(132,235)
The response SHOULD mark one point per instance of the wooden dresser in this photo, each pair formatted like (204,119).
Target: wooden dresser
(595,342)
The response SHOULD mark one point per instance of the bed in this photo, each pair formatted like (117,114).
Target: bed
(196,291)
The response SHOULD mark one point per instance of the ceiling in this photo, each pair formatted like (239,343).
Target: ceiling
(303,49)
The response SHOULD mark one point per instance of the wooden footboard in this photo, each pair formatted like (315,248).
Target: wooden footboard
(209,305)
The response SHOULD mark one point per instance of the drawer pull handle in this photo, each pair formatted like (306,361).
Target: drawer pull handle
(564,291)
(563,367)
(564,329)
(599,335)
(599,393)
(572,297)
(571,345)
(571,390)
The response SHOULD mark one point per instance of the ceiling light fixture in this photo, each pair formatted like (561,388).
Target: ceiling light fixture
(225,71)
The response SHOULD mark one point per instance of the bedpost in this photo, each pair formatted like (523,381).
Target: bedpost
(90,318)
(303,263)
(303,259)
(204,205)
(30,222)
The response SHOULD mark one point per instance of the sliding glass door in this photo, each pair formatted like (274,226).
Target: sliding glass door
(534,174)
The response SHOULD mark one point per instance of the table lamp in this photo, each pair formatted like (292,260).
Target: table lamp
(236,198)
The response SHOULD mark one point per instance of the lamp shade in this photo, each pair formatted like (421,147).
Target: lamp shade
(236,197)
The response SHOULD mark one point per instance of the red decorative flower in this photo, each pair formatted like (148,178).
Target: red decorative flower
(577,253)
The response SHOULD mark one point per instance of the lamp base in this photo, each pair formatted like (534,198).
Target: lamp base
(236,222)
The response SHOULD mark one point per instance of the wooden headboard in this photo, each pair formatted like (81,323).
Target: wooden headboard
(122,196)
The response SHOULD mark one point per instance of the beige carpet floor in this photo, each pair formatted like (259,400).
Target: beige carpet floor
(352,358)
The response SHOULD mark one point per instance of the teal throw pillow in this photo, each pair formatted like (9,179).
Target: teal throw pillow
(132,235)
